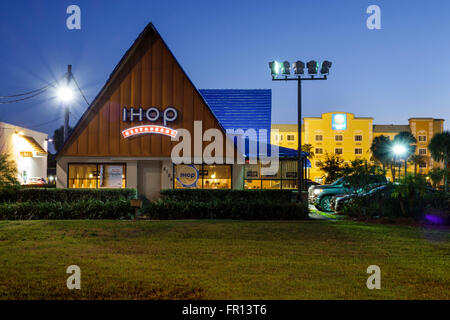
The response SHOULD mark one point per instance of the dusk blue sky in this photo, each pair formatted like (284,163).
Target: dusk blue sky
(392,74)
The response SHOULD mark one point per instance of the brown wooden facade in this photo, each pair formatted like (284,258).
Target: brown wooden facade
(148,75)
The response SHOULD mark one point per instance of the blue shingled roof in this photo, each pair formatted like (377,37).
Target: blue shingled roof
(241,108)
(245,109)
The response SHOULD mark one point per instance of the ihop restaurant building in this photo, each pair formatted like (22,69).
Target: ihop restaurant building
(124,139)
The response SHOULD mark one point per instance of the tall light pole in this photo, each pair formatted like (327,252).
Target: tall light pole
(282,72)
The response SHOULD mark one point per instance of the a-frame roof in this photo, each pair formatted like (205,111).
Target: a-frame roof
(147,75)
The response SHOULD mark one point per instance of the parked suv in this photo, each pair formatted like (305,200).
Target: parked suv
(320,196)
(339,201)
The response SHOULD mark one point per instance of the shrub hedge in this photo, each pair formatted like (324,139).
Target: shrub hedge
(225,209)
(64,195)
(83,209)
(419,208)
(208,195)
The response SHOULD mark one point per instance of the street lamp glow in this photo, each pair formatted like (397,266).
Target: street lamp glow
(65,94)
(399,149)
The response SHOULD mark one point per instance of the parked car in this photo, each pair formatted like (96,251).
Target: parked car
(309,183)
(339,201)
(320,196)
(36,181)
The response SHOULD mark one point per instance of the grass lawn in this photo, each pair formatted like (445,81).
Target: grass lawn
(221,260)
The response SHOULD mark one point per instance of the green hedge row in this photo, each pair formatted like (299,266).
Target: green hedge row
(207,195)
(92,209)
(64,195)
(225,209)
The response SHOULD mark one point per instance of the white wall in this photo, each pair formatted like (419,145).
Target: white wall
(12,143)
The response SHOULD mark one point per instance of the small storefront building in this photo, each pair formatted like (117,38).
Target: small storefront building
(127,136)
(27,149)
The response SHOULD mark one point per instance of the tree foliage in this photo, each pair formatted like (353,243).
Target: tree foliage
(8,171)
(333,167)
(58,137)
(439,147)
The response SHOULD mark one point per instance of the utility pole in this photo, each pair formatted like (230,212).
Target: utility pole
(66,106)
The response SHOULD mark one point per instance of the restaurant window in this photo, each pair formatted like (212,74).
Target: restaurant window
(422,151)
(338,138)
(319,137)
(284,178)
(216,176)
(202,176)
(338,151)
(97,175)
(358,138)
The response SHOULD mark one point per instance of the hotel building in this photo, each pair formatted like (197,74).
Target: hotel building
(350,137)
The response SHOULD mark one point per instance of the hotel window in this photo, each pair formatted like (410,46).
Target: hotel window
(319,137)
(202,176)
(97,175)
(338,151)
(358,151)
(422,151)
(290,137)
(358,138)
(319,151)
(422,138)
(338,138)
(422,165)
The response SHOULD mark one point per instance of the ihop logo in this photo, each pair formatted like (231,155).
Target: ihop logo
(151,114)
(187,175)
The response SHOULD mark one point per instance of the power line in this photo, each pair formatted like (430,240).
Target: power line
(18,100)
(44,123)
(79,89)
(30,92)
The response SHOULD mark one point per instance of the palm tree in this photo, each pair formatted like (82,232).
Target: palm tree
(439,147)
(381,152)
(416,160)
(436,175)
(308,148)
(408,141)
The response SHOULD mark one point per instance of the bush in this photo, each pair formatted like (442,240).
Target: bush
(84,209)
(226,209)
(207,195)
(64,195)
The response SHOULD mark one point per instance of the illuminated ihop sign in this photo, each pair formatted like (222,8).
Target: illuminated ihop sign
(339,121)
(187,175)
(152,114)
